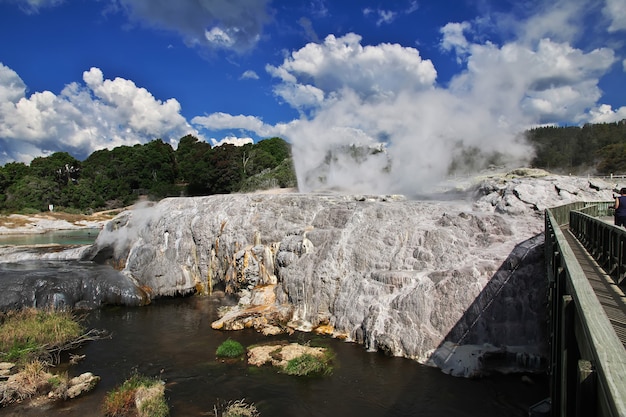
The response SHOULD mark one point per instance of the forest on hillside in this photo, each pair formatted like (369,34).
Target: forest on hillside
(115,178)
(590,149)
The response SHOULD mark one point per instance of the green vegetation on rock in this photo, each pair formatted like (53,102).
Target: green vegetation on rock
(309,365)
(230,349)
(138,395)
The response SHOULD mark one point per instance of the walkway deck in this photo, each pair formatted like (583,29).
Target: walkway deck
(610,295)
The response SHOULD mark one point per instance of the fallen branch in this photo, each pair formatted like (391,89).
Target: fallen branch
(54,351)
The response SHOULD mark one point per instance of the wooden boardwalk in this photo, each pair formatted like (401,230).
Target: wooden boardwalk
(609,294)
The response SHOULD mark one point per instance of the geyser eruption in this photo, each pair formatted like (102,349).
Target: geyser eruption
(401,145)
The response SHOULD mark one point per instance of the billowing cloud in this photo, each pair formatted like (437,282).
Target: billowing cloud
(368,95)
(82,118)
(606,114)
(234,24)
(548,83)
(319,72)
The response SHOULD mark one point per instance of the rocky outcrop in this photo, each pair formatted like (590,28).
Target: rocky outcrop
(39,382)
(412,278)
(80,286)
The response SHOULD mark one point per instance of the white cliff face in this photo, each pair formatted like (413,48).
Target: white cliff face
(411,278)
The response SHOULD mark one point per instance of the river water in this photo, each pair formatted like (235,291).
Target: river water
(85,236)
(172,339)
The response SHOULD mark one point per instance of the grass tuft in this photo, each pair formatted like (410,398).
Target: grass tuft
(238,408)
(28,334)
(308,364)
(230,349)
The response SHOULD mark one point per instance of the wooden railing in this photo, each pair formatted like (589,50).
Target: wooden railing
(605,242)
(588,361)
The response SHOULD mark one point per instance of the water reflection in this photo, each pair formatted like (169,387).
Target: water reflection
(85,236)
(173,340)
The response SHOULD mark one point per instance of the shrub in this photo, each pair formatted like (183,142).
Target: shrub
(230,349)
(308,364)
(121,401)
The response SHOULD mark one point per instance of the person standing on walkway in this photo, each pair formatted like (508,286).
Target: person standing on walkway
(620,208)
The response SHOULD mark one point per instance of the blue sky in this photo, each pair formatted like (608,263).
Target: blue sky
(419,75)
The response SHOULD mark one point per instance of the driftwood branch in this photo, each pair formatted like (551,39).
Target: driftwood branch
(54,351)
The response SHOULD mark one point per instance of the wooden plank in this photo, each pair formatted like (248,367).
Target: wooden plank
(609,295)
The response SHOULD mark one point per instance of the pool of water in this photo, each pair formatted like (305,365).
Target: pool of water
(58,237)
(173,340)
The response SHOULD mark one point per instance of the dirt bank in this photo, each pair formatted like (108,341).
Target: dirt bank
(48,221)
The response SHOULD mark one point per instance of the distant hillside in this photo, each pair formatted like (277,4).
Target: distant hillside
(591,149)
(115,178)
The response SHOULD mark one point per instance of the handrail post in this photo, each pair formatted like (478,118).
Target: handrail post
(586,390)
(568,356)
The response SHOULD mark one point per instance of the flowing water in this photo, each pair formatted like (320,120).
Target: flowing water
(172,339)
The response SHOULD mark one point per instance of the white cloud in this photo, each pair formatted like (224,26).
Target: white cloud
(220,38)
(388,16)
(453,37)
(224,121)
(233,24)
(12,88)
(232,140)
(559,21)
(551,82)
(249,75)
(615,10)
(385,16)
(318,72)
(606,114)
(83,118)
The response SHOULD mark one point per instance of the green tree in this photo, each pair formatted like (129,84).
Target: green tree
(189,153)
(31,192)
(60,167)
(157,170)
(11,173)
